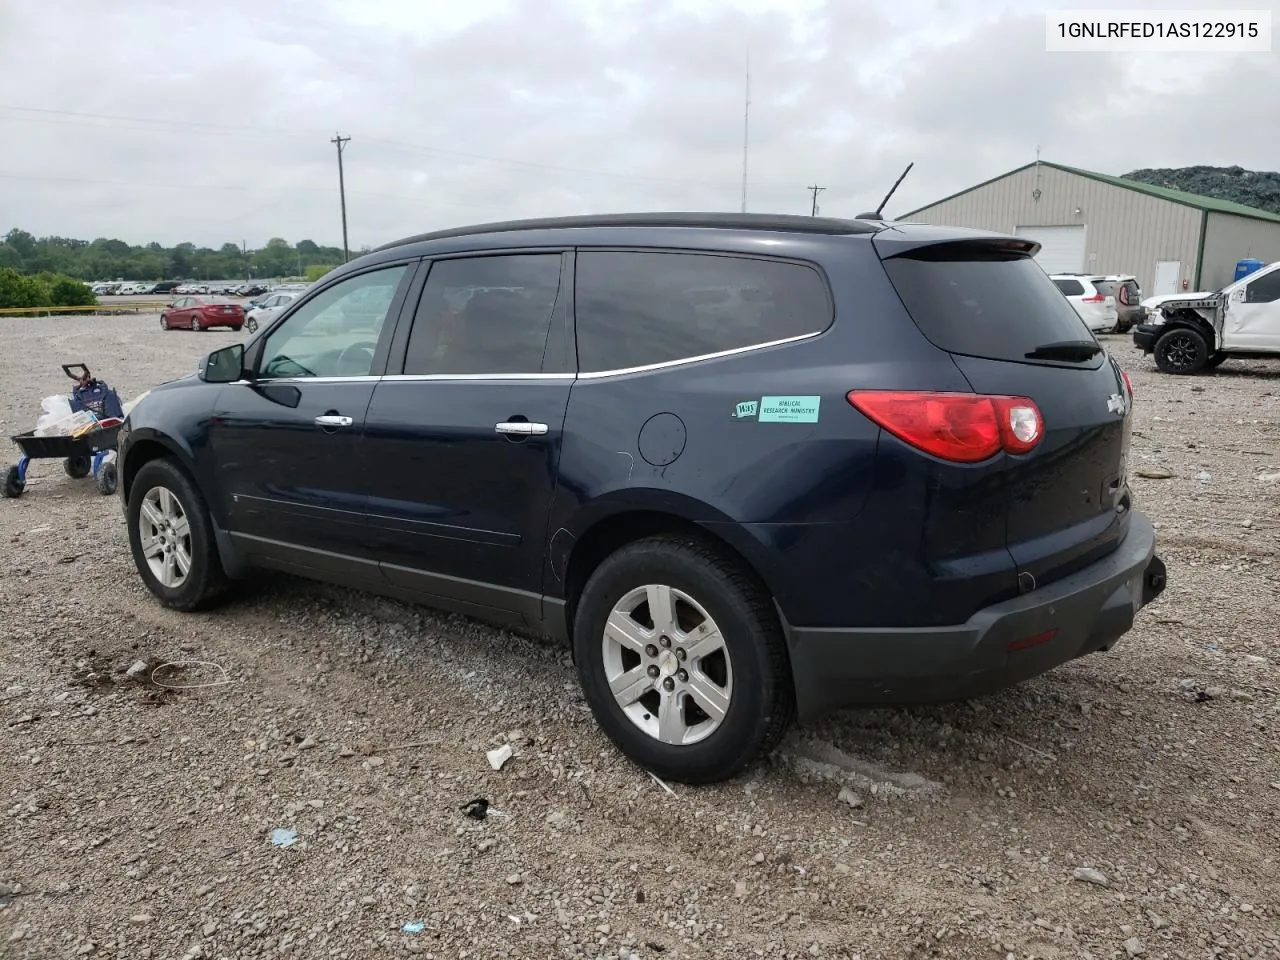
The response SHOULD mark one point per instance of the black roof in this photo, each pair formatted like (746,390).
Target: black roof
(783,222)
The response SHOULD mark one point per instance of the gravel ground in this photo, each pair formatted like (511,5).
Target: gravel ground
(1124,805)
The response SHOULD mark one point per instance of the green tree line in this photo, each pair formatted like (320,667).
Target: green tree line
(104,259)
(41,290)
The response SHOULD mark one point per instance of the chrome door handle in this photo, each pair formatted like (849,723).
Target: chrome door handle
(330,420)
(520,428)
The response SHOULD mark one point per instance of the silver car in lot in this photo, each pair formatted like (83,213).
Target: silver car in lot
(269,307)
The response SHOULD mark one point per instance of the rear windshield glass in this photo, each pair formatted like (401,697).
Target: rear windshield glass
(997,306)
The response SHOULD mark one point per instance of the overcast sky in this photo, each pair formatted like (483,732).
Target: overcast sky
(210,120)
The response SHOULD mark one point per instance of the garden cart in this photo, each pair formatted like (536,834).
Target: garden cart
(88,451)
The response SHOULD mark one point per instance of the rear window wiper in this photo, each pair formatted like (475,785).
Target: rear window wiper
(1072,351)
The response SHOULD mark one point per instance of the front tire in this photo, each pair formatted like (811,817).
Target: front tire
(195,324)
(682,659)
(171,538)
(1181,351)
(164,321)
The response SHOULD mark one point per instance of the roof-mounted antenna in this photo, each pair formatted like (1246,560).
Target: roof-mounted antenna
(875,215)
(746,127)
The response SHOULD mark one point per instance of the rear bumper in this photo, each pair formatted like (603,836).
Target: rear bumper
(1144,336)
(997,647)
(1130,317)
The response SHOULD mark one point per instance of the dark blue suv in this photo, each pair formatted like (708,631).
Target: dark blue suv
(747,465)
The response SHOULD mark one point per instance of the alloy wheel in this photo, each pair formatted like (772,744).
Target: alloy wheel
(1180,351)
(667,664)
(164,533)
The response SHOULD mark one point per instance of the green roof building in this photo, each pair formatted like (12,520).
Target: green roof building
(1094,223)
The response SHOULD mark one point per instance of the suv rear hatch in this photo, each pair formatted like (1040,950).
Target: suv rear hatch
(1011,332)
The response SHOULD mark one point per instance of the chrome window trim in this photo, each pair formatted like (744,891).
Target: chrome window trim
(495,377)
(412,377)
(735,351)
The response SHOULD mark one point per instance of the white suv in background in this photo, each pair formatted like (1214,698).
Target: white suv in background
(1097,310)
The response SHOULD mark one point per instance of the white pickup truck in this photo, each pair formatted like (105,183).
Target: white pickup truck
(1199,331)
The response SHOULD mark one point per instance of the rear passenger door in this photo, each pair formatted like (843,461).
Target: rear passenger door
(462,439)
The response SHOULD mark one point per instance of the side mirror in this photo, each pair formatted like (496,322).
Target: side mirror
(223,366)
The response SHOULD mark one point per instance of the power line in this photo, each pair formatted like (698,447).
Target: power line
(219,129)
(236,187)
(341,143)
(813,211)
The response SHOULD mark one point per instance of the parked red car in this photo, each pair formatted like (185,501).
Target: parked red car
(202,313)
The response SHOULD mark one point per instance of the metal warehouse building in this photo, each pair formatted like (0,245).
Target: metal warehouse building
(1092,223)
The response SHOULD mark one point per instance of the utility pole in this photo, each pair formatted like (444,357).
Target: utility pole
(341,143)
(746,127)
(244,255)
(813,212)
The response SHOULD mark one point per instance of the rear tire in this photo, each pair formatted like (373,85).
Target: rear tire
(77,467)
(13,483)
(195,324)
(176,517)
(1181,351)
(739,669)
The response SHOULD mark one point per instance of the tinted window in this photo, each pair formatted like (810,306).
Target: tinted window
(484,315)
(636,309)
(1264,289)
(335,333)
(1072,288)
(998,307)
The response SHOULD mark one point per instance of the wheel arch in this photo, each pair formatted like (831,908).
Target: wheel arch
(1190,320)
(609,532)
(148,445)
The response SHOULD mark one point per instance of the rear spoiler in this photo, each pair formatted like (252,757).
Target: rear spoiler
(947,243)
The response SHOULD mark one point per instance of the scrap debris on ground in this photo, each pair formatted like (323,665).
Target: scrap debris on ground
(322,774)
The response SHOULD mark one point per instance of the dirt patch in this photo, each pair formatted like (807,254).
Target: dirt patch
(363,725)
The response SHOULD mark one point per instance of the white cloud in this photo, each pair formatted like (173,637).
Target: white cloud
(211,121)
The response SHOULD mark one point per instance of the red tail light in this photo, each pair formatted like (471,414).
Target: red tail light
(1128,384)
(1096,298)
(960,427)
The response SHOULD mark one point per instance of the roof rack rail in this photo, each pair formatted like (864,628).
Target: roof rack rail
(783,222)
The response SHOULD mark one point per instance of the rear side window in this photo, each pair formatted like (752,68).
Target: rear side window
(996,306)
(634,309)
(1070,288)
(484,315)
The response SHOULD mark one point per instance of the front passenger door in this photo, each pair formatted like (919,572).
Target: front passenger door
(1252,320)
(287,445)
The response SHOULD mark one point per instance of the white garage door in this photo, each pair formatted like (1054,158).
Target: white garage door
(1061,248)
